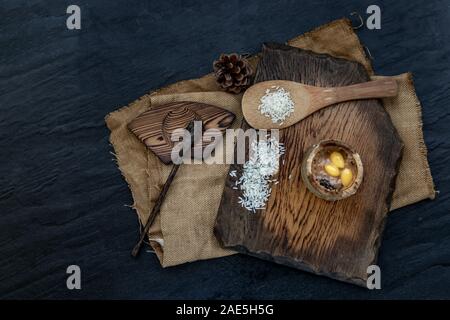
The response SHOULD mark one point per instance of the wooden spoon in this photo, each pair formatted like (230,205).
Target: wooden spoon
(309,99)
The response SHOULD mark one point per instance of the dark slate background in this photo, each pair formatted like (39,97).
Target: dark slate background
(62,198)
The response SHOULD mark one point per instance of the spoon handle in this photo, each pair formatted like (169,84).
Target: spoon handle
(367,90)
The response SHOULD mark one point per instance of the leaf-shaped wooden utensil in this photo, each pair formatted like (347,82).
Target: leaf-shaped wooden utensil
(309,99)
(155,126)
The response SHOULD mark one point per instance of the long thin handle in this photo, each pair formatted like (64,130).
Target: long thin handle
(161,197)
(367,90)
(156,208)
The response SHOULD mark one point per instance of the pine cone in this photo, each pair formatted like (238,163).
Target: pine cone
(233,72)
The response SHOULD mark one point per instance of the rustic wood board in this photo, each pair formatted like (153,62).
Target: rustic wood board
(155,126)
(337,239)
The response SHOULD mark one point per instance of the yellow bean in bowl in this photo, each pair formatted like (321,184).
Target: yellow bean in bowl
(332,170)
(337,159)
(346,177)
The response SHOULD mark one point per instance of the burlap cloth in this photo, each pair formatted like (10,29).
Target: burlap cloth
(183,231)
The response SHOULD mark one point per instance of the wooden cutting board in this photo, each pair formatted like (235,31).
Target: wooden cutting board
(337,239)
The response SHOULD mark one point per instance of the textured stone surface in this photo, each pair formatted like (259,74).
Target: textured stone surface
(62,198)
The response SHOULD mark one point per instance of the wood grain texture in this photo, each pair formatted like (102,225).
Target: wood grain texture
(155,126)
(337,239)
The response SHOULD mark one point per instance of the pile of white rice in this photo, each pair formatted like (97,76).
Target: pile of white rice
(276,104)
(257,173)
